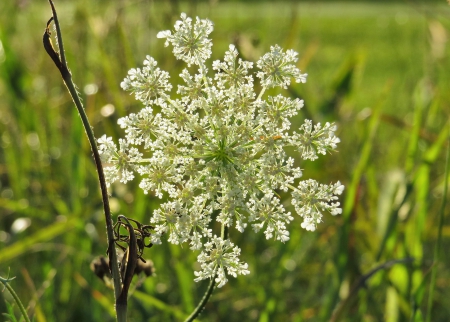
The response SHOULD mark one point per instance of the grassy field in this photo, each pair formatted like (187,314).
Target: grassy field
(381,71)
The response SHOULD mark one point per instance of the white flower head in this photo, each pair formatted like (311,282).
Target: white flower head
(232,71)
(277,68)
(268,212)
(190,41)
(310,199)
(217,152)
(124,159)
(220,257)
(148,84)
(315,140)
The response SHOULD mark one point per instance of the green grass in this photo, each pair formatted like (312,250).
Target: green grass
(374,68)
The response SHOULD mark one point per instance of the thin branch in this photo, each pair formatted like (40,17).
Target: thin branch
(361,282)
(60,61)
(129,261)
(16,298)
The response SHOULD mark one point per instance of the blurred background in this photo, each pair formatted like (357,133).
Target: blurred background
(380,69)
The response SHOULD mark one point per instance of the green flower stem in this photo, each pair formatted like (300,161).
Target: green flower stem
(261,93)
(67,77)
(201,305)
(5,282)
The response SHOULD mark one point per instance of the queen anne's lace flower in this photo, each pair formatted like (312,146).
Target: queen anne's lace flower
(219,255)
(277,68)
(232,71)
(313,141)
(217,153)
(125,159)
(190,42)
(311,198)
(149,83)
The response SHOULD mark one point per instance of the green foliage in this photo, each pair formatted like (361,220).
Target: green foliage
(380,70)
(10,314)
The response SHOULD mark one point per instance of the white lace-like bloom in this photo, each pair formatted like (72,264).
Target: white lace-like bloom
(190,42)
(125,159)
(268,211)
(277,68)
(219,255)
(313,141)
(232,71)
(147,84)
(310,199)
(217,153)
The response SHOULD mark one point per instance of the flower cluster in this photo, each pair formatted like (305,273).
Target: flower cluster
(217,153)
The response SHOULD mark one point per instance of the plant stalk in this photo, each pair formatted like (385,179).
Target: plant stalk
(22,309)
(201,305)
(61,64)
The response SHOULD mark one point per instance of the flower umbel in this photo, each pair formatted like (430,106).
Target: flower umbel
(219,255)
(149,83)
(277,68)
(218,152)
(190,42)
